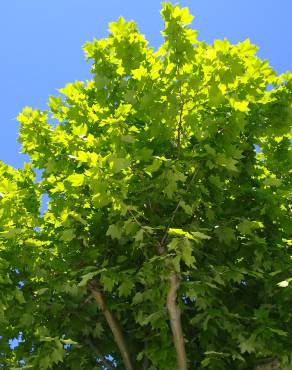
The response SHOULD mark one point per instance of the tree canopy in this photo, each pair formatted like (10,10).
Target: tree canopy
(166,243)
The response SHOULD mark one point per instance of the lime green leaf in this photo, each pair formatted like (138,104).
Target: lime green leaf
(76,179)
(182,233)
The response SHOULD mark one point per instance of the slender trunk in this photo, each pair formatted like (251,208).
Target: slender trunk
(175,322)
(117,333)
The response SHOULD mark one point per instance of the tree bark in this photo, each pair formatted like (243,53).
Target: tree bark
(117,333)
(175,322)
(268,365)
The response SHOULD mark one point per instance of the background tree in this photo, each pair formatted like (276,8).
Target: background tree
(166,240)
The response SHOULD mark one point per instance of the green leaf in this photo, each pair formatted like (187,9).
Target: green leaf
(98,331)
(125,288)
(114,232)
(225,234)
(19,296)
(198,235)
(76,179)
(45,362)
(57,355)
(68,235)
(119,164)
(87,277)
(68,341)
(187,251)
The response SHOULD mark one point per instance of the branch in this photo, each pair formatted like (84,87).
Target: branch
(101,358)
(117,333)
(175,322)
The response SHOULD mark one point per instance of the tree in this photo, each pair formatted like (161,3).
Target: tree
(165,244)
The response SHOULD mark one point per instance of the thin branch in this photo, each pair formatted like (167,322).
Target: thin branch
(175,322)
(101,358)
(114,326)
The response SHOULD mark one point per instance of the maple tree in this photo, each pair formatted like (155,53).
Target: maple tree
(166,240)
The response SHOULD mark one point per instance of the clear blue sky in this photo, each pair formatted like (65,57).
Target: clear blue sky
(40,48)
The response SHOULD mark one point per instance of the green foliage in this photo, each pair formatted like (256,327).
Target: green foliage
(157,146)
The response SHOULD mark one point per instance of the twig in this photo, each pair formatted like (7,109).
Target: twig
(114,326)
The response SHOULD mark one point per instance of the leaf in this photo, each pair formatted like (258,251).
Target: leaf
(68,341)
(87,277)
(125,288)
(41,291)
(98,330)
(139,235)
(138,298)
(197,235)
(7,186)
(108,283)
(283,284)
(45,362)
(273,182)
(241,106)
(11,233)
(225,234)
(247,345)
(182,233)
(280,332)
(226,162)
(19,296)
(68,235)
(80,130)
(247,227)
(57,355)
(76,179)
(119,164)
(187,256)
(114,232)
(139,73)
(156,164)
